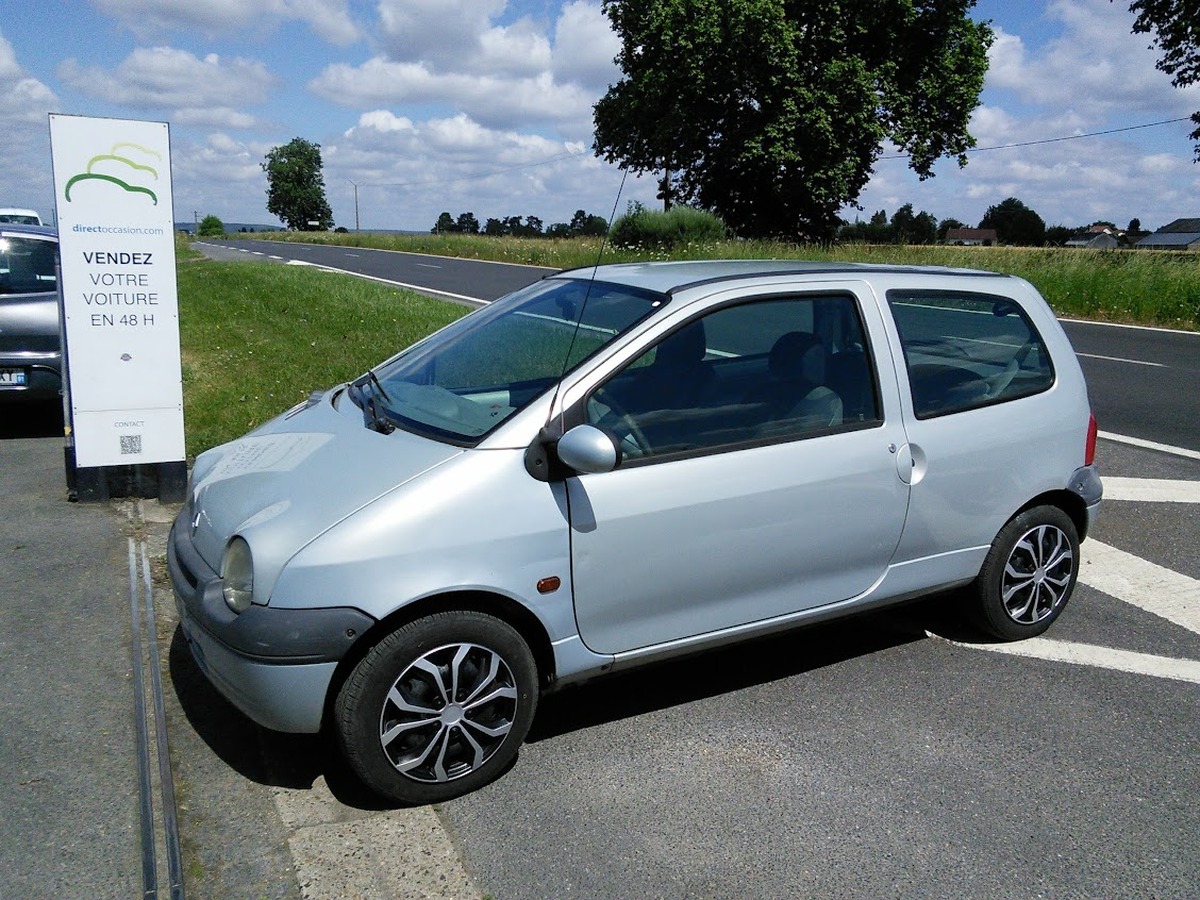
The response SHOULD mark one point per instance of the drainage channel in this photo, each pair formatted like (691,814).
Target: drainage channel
(158,828)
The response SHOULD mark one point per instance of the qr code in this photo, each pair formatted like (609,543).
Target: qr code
(131,444)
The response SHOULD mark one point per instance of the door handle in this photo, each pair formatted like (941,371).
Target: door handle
(910,462)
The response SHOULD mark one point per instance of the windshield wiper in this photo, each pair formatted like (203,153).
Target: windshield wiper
(374,415)
(378,385)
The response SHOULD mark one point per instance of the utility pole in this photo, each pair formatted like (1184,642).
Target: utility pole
(355,204)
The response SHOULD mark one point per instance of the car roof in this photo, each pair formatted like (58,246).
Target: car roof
(668,277)
(43,231)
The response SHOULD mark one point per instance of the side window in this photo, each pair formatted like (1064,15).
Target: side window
(758,371)
(964,351)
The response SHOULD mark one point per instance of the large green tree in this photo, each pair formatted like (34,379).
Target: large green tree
(1015,223)
(772,113)
(296,187)
(1175,25)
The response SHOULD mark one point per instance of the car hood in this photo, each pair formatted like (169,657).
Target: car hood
(284,484)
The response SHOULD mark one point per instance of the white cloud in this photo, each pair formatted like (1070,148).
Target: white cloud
(408,172)
(23,99)
(494,101)
(585,46)
(213,117)
(167,78)
(24,104)
(441,30)
(221,175)
(328,19)
(1095,66)
(1091,75)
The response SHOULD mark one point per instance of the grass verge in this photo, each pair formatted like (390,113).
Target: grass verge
(1137,287)
(258,338)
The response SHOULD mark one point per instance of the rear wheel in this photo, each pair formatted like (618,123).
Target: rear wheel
(438,708)
(1028,575)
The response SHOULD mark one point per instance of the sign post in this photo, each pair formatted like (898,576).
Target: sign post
(112,188)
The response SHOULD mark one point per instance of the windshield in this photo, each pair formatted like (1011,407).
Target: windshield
(27,264)
(465,380)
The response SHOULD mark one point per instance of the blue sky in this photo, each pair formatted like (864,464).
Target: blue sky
(485,106)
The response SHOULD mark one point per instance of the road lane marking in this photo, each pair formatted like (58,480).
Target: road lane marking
(1091,655)
(1133,362)
(1151,490)
(476,301)
(1154,588)
(1131,327)
(1149,445)
(1130,579)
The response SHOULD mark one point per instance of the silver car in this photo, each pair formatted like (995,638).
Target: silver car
(30,348)
(619,465)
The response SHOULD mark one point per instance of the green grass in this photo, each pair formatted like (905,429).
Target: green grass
(1138,287)
(258,338)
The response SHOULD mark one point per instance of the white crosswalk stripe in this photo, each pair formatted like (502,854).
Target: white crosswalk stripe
(1151,490)
(1100,657)
(1156,589)
(1148,586)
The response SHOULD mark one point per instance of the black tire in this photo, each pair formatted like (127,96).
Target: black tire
(434,748)
(1028,575)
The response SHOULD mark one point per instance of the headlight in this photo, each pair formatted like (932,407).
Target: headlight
(237,571)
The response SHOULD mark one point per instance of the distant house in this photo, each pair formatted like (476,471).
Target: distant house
(971,237)
(1098,237)
(1182,234)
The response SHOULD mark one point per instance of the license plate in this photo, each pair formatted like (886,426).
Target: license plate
(12,377)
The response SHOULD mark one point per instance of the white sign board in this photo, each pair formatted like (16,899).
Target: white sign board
(116,230)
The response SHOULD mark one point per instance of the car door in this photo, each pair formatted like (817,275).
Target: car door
(760,475)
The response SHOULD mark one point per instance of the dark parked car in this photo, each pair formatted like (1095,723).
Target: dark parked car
(30,349)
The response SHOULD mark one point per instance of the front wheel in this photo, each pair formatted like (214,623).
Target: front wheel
(438,708)
(1028,574)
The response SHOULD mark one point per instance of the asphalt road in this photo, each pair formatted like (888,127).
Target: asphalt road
(1143,382)
(460,278)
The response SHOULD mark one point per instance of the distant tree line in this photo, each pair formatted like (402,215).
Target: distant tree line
(581,225)
(1015,224)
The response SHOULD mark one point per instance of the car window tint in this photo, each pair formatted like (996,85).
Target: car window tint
(753,372)
(964,351)
(27,265)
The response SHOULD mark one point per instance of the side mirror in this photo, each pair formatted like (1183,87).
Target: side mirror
(587,449)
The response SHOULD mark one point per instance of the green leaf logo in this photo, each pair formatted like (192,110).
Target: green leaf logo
(113,156)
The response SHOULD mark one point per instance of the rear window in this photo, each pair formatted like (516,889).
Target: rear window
(27,264)
(964,351)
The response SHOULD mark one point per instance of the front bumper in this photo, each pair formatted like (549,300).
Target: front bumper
(273,664)
(42,379)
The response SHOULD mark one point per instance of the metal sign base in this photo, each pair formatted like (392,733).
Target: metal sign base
(166,481)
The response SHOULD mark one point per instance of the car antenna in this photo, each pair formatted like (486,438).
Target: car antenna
(537,459)
(588,292)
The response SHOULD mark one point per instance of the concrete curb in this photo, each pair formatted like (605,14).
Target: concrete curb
(337,851)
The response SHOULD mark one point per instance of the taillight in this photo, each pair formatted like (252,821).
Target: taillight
(1089,452)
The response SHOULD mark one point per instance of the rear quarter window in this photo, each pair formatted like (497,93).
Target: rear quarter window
(965,350)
